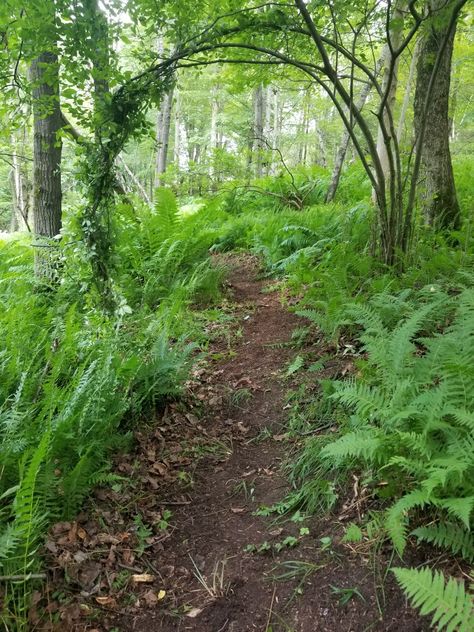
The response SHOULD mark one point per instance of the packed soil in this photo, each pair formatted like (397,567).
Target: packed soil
(176,543)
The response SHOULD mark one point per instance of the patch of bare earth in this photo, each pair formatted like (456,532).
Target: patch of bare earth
(126,564)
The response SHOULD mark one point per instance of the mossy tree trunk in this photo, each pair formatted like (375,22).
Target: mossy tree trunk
(47,148)
(440,204)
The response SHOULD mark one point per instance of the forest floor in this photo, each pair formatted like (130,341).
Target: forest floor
(166,547)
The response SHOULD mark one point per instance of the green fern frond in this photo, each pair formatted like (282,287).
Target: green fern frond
(10,538)
(461,508)
(368,318)
(451,606)
(397,517)
(166,209)
(368,401)
(462,416)
(311,314)
(448,535)
(28,509)
(400,345)
(358,444)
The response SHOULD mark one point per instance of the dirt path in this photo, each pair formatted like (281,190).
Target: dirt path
(215,529)
(213,465)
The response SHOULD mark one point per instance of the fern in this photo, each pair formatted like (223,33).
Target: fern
(29,511)
(294,366)
(67,367)
(396,518)
(460,508)
(448,535)
(413,412)
(166,210)
(9,541)
(362,444)
(449,603)
(369,402)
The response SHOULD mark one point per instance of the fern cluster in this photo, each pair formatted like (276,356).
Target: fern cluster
(412,422)
(73,379)
(163,254)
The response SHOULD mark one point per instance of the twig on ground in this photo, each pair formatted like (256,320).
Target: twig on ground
(270,612)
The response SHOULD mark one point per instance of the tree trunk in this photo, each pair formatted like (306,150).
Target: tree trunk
(214,135)
(440,204)
(406,99)
(134,179)
(177,134)
(100,58)
(320,156)
(163,136)
(258,130)
(14,215)
(19,191)
(389,83)
(342,149)
(304,131)
(453,106)
(275,128)
(47,147)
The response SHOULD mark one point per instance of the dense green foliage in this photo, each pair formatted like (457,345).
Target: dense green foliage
(74,381)
(196,128)
(405,422)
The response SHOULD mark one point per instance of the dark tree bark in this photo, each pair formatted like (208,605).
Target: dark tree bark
(440,204)
(47,145)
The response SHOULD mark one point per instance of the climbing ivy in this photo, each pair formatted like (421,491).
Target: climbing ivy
(123,117)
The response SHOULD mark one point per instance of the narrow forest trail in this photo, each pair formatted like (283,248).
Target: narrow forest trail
(201,475)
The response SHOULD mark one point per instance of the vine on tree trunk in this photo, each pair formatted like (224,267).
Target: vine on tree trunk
(123,118)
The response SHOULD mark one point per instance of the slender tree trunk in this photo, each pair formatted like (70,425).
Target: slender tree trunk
(304,130)
(274,125)
(267,129)
(100,58)
(258,130)
(163,127)
(407,95)
(47,147)
(19,191)
(136,182)
(214,115)
(14,215)
(390,83)
(214,135)
(177,136)
(441,207)
(342,149)
(453,106)
(163,136)
(320,157)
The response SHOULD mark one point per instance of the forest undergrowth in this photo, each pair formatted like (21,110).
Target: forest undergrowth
(76,381)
